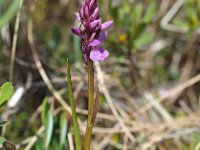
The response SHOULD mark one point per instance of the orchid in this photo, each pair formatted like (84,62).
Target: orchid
(91,31)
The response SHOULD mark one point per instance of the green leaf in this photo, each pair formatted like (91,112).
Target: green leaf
(114,11)
(44,112)
(143,40)
(11,11)
(73,108)
(63,129)
(6,92)
(197,147)
(2,140)
(150,12)
(138,30)
(138,13)
(39,145)
(49,129)
(196,137)
(1,1)
(182,24)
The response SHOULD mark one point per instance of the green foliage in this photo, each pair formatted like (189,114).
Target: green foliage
(49,129)
(2,140)
(10,12)
(189,19)
(63,129)
(144,39)
(6,91)
(150,12)
(73,108)
(196,141)
(44,112)
(52,139)
(49,121)
(133,22)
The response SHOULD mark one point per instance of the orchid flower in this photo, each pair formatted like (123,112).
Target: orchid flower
(91,31)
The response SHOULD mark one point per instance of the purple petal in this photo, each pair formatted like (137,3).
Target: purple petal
(96,42)
(92,3)
(81,12)
(86,11)
(99,54)
(76,31)
(95,13)
(77,16)
(106,25)
(95,23)
(103,36)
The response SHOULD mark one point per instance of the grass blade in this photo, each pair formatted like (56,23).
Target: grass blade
(63,129)
(49,130)
(73,108)
(44,112)
(11,11)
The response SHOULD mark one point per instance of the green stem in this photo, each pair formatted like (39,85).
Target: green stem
(88,134)
(73,108)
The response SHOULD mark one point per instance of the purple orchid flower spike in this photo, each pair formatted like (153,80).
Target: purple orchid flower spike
(91,31)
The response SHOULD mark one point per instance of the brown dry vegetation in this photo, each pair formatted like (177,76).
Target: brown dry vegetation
(149,93)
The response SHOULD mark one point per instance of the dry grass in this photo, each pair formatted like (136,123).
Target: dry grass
(136,116)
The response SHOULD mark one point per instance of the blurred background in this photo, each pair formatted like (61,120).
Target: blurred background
(149,86)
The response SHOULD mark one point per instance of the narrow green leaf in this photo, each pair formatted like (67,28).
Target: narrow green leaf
(1,1)
(2,140)
(182,24)
(196,137)
(49,129)
(39,145)
(44,112)
(11,11)
(150,12)
(197,147)
(143,40)
(73,108)
(138,13)
(63,129)
(6,92)
(138,30)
